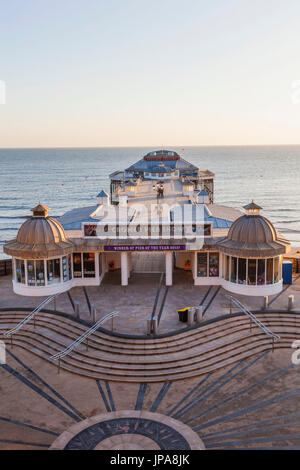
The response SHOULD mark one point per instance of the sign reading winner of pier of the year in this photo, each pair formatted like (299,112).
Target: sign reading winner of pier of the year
(144,247)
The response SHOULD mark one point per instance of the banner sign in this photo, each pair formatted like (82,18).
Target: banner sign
(144,247)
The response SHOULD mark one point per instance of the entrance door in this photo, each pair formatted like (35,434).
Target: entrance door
(148,262)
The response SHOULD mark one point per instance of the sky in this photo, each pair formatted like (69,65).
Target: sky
(96,73)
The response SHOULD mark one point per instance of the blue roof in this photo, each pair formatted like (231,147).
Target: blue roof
(77,225)
(176,164)
(219,223)
(73,219)
(216,222)
(160,169)
(202,193)
(102,194)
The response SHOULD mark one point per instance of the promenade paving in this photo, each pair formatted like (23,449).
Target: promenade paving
(224,401)
(135,301)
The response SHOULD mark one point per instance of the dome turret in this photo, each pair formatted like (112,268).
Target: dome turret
(252,235)
(39,237)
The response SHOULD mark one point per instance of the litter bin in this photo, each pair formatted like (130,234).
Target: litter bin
(287,272)
(183,314)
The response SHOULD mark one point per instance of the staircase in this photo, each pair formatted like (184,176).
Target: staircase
(191,353)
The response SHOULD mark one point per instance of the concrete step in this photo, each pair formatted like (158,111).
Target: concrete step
(154,376)
(62,329)
(188,354)
(85,364)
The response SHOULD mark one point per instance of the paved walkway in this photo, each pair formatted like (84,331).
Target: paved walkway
(251,405)
(135,302)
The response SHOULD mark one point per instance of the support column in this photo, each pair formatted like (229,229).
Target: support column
(169,268)
(104,263)
(124,268)
(129,265)
(97,267)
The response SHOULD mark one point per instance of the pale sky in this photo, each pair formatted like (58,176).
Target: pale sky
(149,72)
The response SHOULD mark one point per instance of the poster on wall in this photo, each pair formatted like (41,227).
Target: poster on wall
(202,264)
(90,230)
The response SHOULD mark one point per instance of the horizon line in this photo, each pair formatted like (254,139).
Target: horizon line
(147,146)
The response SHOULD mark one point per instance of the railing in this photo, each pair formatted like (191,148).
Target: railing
(251,315)
(84,336)
(29,316)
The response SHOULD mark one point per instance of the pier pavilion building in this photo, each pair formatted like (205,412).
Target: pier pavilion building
(219,245)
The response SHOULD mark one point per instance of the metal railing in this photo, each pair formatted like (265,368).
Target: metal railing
(83,337)
(29,316)
(253,318)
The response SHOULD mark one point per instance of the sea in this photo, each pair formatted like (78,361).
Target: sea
(66,178)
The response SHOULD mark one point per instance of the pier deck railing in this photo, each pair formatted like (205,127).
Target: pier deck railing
(253,318)
(29,316)
(58,356)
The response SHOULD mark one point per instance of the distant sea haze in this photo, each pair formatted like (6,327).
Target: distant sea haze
(67,178)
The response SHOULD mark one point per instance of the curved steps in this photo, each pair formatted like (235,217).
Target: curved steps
(187,354)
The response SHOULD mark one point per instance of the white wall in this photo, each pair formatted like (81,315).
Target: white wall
(269,289)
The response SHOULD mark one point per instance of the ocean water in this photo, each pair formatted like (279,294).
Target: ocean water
(67,178)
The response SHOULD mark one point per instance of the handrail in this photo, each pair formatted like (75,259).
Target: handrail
(84,336)
(156,300)
(251,315)
(29,316)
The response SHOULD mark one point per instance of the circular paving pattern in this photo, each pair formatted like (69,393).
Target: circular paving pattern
(129,430)
(127,442)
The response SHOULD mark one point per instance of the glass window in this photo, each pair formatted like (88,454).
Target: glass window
(53,271)
(242,263)
(20,271)
(213,264)
(233,268)
(30,272)
(40,272)
(226,272)
(77,267)
(270,271)
(252,272)
(70,266)
(276,269)
(88,264)
(202,264)
(261,275)
(65,269)
(207,230)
